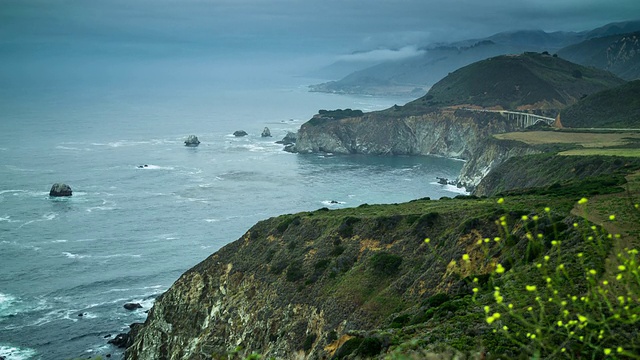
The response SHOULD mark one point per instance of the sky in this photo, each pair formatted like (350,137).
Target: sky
(281,31)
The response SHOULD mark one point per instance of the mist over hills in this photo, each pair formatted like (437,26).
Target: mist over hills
(413,75)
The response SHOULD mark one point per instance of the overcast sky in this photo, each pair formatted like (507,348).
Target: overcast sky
(291,28)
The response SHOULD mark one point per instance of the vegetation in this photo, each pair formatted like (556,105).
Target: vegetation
(556,175)
(613,108)
(511,81)
(338,114)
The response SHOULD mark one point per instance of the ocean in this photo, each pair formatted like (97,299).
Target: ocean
(68,265)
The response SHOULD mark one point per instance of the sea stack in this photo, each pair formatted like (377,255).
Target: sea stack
(240,133)
(60,189)
(192,140)
(266,132)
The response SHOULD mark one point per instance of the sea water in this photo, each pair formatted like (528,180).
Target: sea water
(67,265)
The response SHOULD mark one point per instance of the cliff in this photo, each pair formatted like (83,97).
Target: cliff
(444,132)
(440,123)
(364,283)
(304,286)
(494,153)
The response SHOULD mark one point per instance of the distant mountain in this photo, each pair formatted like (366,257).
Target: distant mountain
(617,28)
(518,82)
(413,76)
(614,108)
(619,54)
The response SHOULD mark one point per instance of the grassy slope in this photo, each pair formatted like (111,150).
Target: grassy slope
(514,81)
(422,302)
(614,108)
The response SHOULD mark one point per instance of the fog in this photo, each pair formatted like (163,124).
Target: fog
(42,37)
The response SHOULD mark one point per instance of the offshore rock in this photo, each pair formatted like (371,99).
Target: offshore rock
(240,133)
(60,189)
(192,141)
(132,306)
(266,132)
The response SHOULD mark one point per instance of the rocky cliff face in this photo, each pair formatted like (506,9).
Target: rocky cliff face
(350,283)
(299,286)
(491,154)
(451,133)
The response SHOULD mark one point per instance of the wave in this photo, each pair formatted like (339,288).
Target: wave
(75,256)
(103,208)
(80,256)
(6,304)
(11,191)
(7,218)
(154,167)
(12,306)
(62,147)
(452,188)
(45,217)
(15,353)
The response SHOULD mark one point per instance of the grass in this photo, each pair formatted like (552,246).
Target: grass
(604,152)
(583,139)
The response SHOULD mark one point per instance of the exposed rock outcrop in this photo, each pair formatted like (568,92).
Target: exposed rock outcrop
(240,133)
(60,190)
(266,132)
(288,139)
(458,134)
(192,141)
(490,154)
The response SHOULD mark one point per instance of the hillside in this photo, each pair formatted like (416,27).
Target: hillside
(526,81)
(619,54)
(412,76)
(365,283)
(613,108)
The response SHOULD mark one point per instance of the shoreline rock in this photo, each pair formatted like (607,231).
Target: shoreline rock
(266,132)
(240,133)
(132,306)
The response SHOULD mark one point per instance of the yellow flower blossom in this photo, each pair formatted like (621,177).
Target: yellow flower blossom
(531,288)
(499,269)
(582,201)
(500,201)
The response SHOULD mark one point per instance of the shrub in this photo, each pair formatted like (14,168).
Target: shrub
(369,347)
(308,342)
(384,263)
(294,272)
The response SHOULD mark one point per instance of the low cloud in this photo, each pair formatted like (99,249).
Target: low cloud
(383,54)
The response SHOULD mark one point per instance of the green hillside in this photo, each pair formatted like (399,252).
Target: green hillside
(614,108)
(529,80)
